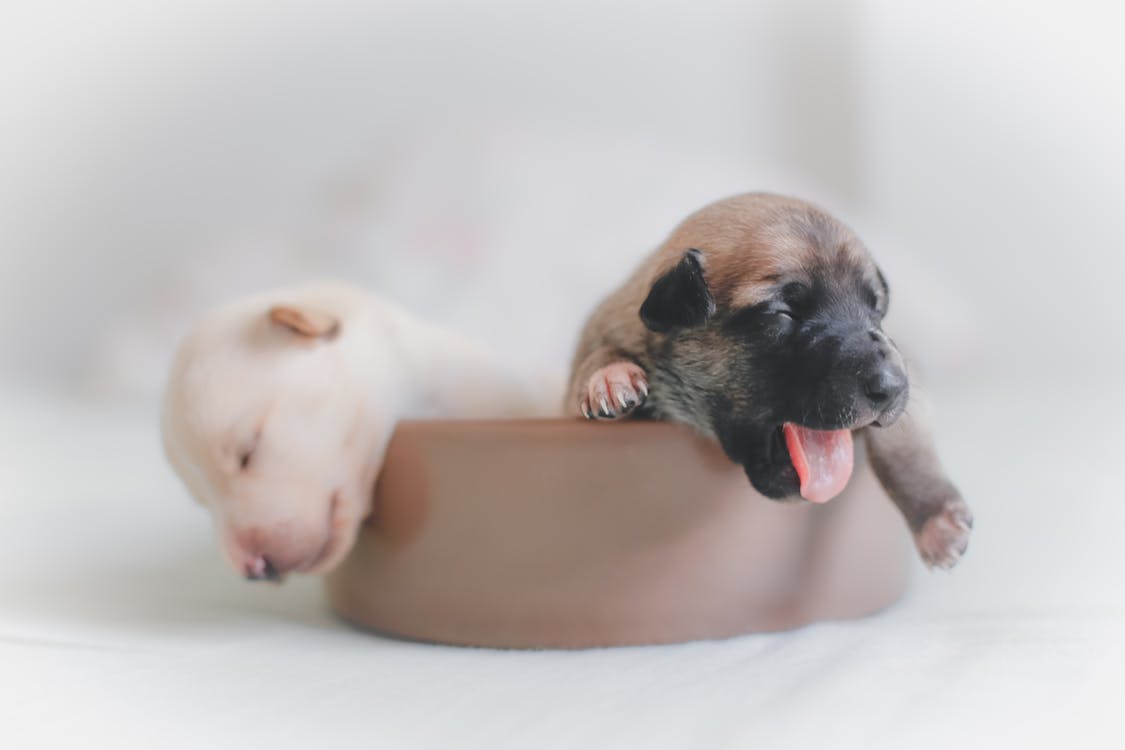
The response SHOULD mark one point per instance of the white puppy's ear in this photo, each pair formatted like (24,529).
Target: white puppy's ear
(305,321)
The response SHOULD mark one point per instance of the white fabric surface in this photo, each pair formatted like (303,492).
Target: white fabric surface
(121,627)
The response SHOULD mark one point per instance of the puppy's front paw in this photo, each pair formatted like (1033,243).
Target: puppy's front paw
(944,536)
(614,391)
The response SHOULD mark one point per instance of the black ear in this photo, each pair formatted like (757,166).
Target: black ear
(680,298)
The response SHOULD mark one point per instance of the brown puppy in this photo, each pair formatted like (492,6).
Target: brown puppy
(759,322)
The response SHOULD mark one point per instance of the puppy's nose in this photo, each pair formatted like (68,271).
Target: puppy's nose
(261,568)
(885,386)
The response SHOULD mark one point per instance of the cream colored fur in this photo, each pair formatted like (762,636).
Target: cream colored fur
(279,408)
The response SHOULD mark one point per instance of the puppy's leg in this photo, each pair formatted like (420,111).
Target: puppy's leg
(907,465)
(608,386)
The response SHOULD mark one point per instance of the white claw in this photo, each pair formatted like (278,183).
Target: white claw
(949,561)
(605,406)
(621,399)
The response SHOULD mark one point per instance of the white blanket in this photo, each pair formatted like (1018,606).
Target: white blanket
(121,627)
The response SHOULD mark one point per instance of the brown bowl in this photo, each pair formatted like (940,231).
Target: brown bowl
(567,534)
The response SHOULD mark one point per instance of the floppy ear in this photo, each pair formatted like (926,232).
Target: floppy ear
(680,298)
(305,321)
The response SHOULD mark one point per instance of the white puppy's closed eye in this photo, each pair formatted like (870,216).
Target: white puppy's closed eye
(246,449)
(328,369)
(241,439)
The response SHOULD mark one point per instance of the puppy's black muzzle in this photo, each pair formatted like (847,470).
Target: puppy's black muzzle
(887,391)
(883,382)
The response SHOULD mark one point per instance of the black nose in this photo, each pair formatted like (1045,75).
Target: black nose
(885,386)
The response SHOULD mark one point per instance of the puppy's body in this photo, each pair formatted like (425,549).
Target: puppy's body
(758,321)
(279,409)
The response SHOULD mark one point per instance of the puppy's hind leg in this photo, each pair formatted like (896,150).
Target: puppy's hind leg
(907,465)
(608,386)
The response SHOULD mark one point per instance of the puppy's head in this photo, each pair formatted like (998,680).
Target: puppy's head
(770,312)
(266,424)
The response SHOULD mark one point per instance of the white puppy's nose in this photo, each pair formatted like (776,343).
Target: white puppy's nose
(270,552)
(260,568)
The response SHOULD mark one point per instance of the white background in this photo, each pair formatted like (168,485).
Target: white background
(143,143)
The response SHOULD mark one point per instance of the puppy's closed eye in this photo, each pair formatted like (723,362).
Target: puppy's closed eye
(773,318)
(246,449)
(795,294)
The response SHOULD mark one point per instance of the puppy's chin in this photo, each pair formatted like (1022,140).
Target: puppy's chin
(772,472)
(891,415)
(335,550)
(762,453)
(344,522)
(773,481)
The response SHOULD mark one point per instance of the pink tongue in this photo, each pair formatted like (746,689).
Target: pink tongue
(823,459)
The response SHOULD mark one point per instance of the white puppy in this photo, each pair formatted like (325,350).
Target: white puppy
(279,409)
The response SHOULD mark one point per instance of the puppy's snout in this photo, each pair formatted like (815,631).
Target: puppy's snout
(270,552)
(882,380)
(262,553)
(885,386)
